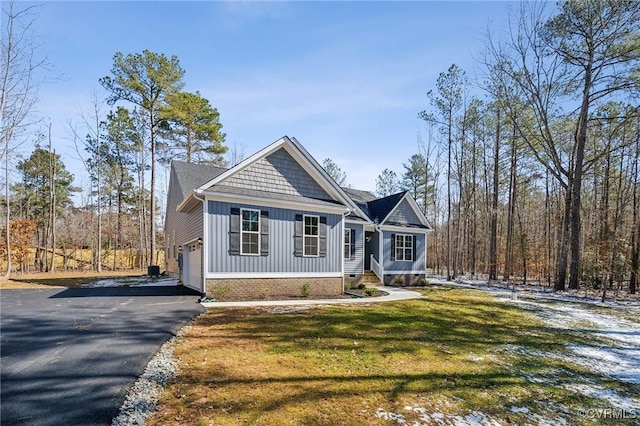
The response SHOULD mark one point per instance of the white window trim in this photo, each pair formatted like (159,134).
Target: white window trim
(347,231)
(304,236)
(404,238)
(242,253)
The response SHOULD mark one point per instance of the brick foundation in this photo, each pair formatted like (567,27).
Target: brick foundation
(273,288)
(354,281)
(407,279)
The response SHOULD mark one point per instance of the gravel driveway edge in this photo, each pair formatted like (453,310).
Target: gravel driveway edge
(142,398)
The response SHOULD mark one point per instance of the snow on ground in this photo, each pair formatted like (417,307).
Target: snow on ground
(615,348)
(616,351)
(475,418)
(143,281)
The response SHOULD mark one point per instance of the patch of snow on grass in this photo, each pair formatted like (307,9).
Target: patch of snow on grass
(620,363)
(475,418)
(620,360)
(611,396)
(387,415)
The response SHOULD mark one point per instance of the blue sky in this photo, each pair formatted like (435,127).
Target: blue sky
(347,79)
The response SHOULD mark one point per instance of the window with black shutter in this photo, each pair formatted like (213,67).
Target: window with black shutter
(310,236)
(402,247)
(248,232)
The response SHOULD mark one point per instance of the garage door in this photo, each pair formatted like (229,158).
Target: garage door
(192,273)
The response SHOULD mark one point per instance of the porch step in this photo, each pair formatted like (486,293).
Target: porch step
(370,278)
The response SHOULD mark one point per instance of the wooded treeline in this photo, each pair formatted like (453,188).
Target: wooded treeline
(527,171)
(538,177)
(146,121)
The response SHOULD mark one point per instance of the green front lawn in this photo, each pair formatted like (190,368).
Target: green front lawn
(453,353)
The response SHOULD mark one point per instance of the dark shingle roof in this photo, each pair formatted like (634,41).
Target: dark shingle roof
(380,208)
(190,175)
(359,196)
(376,208)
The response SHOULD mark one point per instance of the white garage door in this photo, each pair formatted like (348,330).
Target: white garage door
(192,262)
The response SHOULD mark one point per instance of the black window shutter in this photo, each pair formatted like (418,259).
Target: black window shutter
(415,249)
(264,233)
(353,244)
(393,246)
(322,252)
(298,237)
(234,232)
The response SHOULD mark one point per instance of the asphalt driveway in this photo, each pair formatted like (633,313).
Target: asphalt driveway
(68,356)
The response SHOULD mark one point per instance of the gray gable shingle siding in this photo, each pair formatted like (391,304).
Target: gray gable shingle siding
(278,173)
(404,215)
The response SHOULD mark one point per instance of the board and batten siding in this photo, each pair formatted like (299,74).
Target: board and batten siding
(356,264)
(281,257)
(418,264)
(404,215)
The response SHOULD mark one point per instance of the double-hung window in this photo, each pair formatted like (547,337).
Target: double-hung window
(347,243)
(250,232)
(404,247)
(311,236)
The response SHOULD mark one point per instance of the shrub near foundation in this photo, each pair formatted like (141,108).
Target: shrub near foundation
(305,290)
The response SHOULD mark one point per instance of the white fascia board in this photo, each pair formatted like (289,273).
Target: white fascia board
(311,166)
(414,207)
(270,202)
(245,163)
(403,229)
(182,207)
(245,275)
(355,221)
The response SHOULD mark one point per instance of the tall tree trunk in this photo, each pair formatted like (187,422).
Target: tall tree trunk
(635,230)
(52,203)
(152,204)
(511,211)
(7,222)
(576,200)
(450,273)
(493,239)
(563,249)
(474,210)
(523,243)
(548,232)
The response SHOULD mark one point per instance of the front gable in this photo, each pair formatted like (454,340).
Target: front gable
(403,215)
(282,173)
(406,213)
(278,173)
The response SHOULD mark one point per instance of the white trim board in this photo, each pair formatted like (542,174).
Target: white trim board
(270,202)
(231,275)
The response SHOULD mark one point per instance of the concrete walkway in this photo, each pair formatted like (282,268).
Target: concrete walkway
(395,293)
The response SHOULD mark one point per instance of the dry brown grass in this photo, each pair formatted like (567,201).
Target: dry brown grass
(62,278)
(338,365)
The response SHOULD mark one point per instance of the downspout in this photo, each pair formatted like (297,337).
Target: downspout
(344,215)
(203,250)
